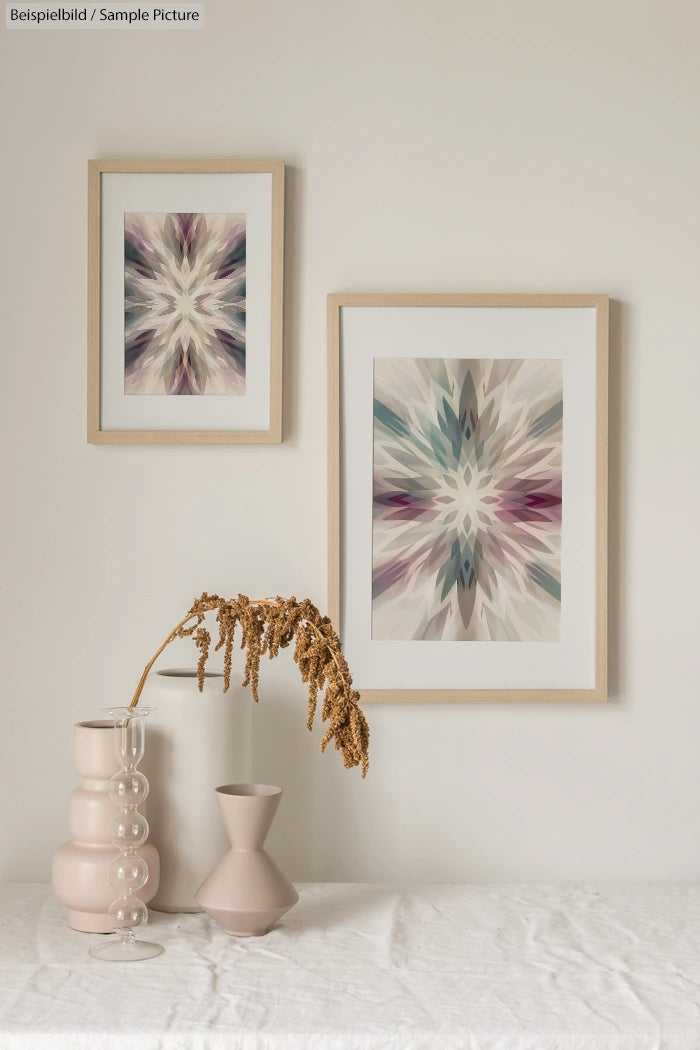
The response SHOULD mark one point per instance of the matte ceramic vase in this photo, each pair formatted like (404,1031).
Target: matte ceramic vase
(80,868)
(246,893)
(195,741)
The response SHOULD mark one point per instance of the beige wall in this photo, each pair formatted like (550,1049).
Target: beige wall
(448,146)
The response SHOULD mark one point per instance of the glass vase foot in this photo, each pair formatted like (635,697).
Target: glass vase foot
(131,951)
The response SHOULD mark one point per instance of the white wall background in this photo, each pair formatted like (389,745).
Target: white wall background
(449,146)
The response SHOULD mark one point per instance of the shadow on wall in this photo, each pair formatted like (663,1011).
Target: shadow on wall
(287,755)
(617,497)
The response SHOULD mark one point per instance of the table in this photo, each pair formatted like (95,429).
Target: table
(370,967)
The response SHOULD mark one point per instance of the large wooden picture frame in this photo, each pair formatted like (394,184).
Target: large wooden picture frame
(185,273)
(468,494)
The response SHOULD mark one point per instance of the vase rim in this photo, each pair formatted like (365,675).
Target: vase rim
(96,723)
(120,713)
(187,672)
(249,790)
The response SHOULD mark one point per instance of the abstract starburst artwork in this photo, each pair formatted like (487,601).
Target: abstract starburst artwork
(467,499)
(184,303)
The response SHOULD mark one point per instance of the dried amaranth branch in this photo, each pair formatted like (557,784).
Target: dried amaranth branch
(268,625)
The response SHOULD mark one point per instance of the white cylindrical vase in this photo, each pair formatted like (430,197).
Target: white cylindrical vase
(196,741)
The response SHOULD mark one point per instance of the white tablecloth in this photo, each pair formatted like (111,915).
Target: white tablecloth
(360,967)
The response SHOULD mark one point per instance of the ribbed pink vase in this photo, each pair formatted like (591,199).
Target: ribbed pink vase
(80,868)
(246,892)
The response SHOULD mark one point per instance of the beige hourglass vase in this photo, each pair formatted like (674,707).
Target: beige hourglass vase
(246,893)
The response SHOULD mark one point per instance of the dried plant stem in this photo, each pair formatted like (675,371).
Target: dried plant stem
(175,633)
(142,680)
(268,625)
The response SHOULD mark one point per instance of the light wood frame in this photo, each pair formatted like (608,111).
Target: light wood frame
(600,304)
(97,434)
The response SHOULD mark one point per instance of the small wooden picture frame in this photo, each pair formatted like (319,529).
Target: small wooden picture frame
(185,278)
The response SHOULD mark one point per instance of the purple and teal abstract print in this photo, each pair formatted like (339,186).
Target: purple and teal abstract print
(467,499)
(184,303)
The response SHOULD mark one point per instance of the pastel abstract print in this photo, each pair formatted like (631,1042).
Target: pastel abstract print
(184,303)
(467,499)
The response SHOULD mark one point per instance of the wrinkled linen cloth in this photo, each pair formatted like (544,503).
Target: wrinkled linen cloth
(370,967)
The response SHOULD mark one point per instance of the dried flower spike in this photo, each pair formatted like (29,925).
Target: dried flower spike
(266,626)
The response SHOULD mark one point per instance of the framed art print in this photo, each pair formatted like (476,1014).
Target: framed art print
(185,269)
(468,494)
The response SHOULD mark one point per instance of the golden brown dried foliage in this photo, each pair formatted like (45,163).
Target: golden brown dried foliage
(266,626)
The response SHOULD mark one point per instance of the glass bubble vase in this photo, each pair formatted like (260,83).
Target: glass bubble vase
(128,829)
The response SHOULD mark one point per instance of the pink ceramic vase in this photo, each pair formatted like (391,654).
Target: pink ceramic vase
(246,892)
(80,868)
